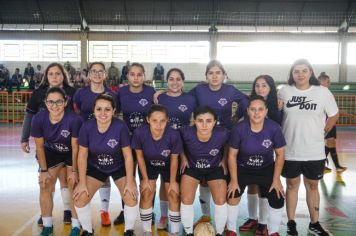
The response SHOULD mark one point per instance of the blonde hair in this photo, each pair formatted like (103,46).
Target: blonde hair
(204,229)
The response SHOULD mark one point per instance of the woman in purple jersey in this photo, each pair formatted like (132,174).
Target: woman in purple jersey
(55,131)
(157,148)
(54,76)
(220,97)
(104,151)
(264,86)
(134,100)
(83,104)
(204,146)
(253,143)
(180,107)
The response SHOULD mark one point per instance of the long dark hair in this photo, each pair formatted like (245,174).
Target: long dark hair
(44,82)
(312,81)
(272,99)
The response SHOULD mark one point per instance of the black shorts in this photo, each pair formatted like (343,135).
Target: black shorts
(101,176)
(263,178)
(206,174)
(313,170)
(331,133)
(54,159)
(154,171)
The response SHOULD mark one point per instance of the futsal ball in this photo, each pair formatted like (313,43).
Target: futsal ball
(204,229)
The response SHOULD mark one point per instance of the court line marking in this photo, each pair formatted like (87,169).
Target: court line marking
(24,226)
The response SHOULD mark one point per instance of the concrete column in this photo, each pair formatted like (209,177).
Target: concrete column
(343,58)
(84,57)
(213,39)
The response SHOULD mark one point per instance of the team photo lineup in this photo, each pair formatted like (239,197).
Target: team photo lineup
(214,138)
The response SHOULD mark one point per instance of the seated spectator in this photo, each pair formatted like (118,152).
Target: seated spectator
(158,74)
(4,77)
(16,80)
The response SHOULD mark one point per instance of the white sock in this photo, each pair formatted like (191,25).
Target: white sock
(105,198)
(264,210)
(232,214)
(174,221)
(204,199)
(220,215)
(274,220)
(146,218)
(47,221)
(130,214)
(187,217)
(164,208)
(75,223)
(252,203)
(65,198)
(84,216)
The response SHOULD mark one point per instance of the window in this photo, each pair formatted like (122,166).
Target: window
(351,54)
(277,52)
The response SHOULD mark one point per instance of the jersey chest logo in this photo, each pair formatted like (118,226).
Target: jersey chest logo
(143,102)
(65,133)
(266,143)
(112,143)
(214,152)
(182,108)
(222,101)
(166,153)
(301,102)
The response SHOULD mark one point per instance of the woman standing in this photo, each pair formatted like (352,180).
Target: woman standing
(104,151)
(157,148)
(54,76)
(306,106)
(55,131)
(83,104)
(219,97)
(253,143)
(204,151)
(180,107)
(330,138)
(134,100)
(263,86)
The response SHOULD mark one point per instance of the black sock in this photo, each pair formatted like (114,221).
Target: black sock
(327,150)
(122,204)
(334,157)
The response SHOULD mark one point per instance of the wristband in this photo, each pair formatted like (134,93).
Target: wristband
(45,170)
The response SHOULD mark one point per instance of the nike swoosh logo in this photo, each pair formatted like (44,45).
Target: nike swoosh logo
(295,104)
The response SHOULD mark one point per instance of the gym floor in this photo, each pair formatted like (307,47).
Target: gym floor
(20,208)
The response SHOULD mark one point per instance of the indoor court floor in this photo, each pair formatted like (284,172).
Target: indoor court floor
(20,209)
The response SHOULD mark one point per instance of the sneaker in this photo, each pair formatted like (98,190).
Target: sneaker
(120,219)
(105,218)
(129,232)
(230,233)
(153,219)
(292,228)
(86,233)
(67,217)
(75,231)
(202,219)
(40,222)
(341,169)
(47,231)
(218,234)
(274,234)
(261,230)
(317,229)
(249,224)
(327,170)
(189,235)
(163,223)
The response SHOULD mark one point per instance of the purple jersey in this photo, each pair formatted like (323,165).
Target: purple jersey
(57,136)
(105,149)
(179,108)
(157,152)
(84,101)
(135,106)
(221,101)
(256,150)
(203,155)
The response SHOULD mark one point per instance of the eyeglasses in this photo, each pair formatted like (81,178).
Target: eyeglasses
(97,72)
(57,103)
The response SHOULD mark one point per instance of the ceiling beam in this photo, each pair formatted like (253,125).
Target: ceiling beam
(40,12)
(349,12)
(125,14)
(82,16)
